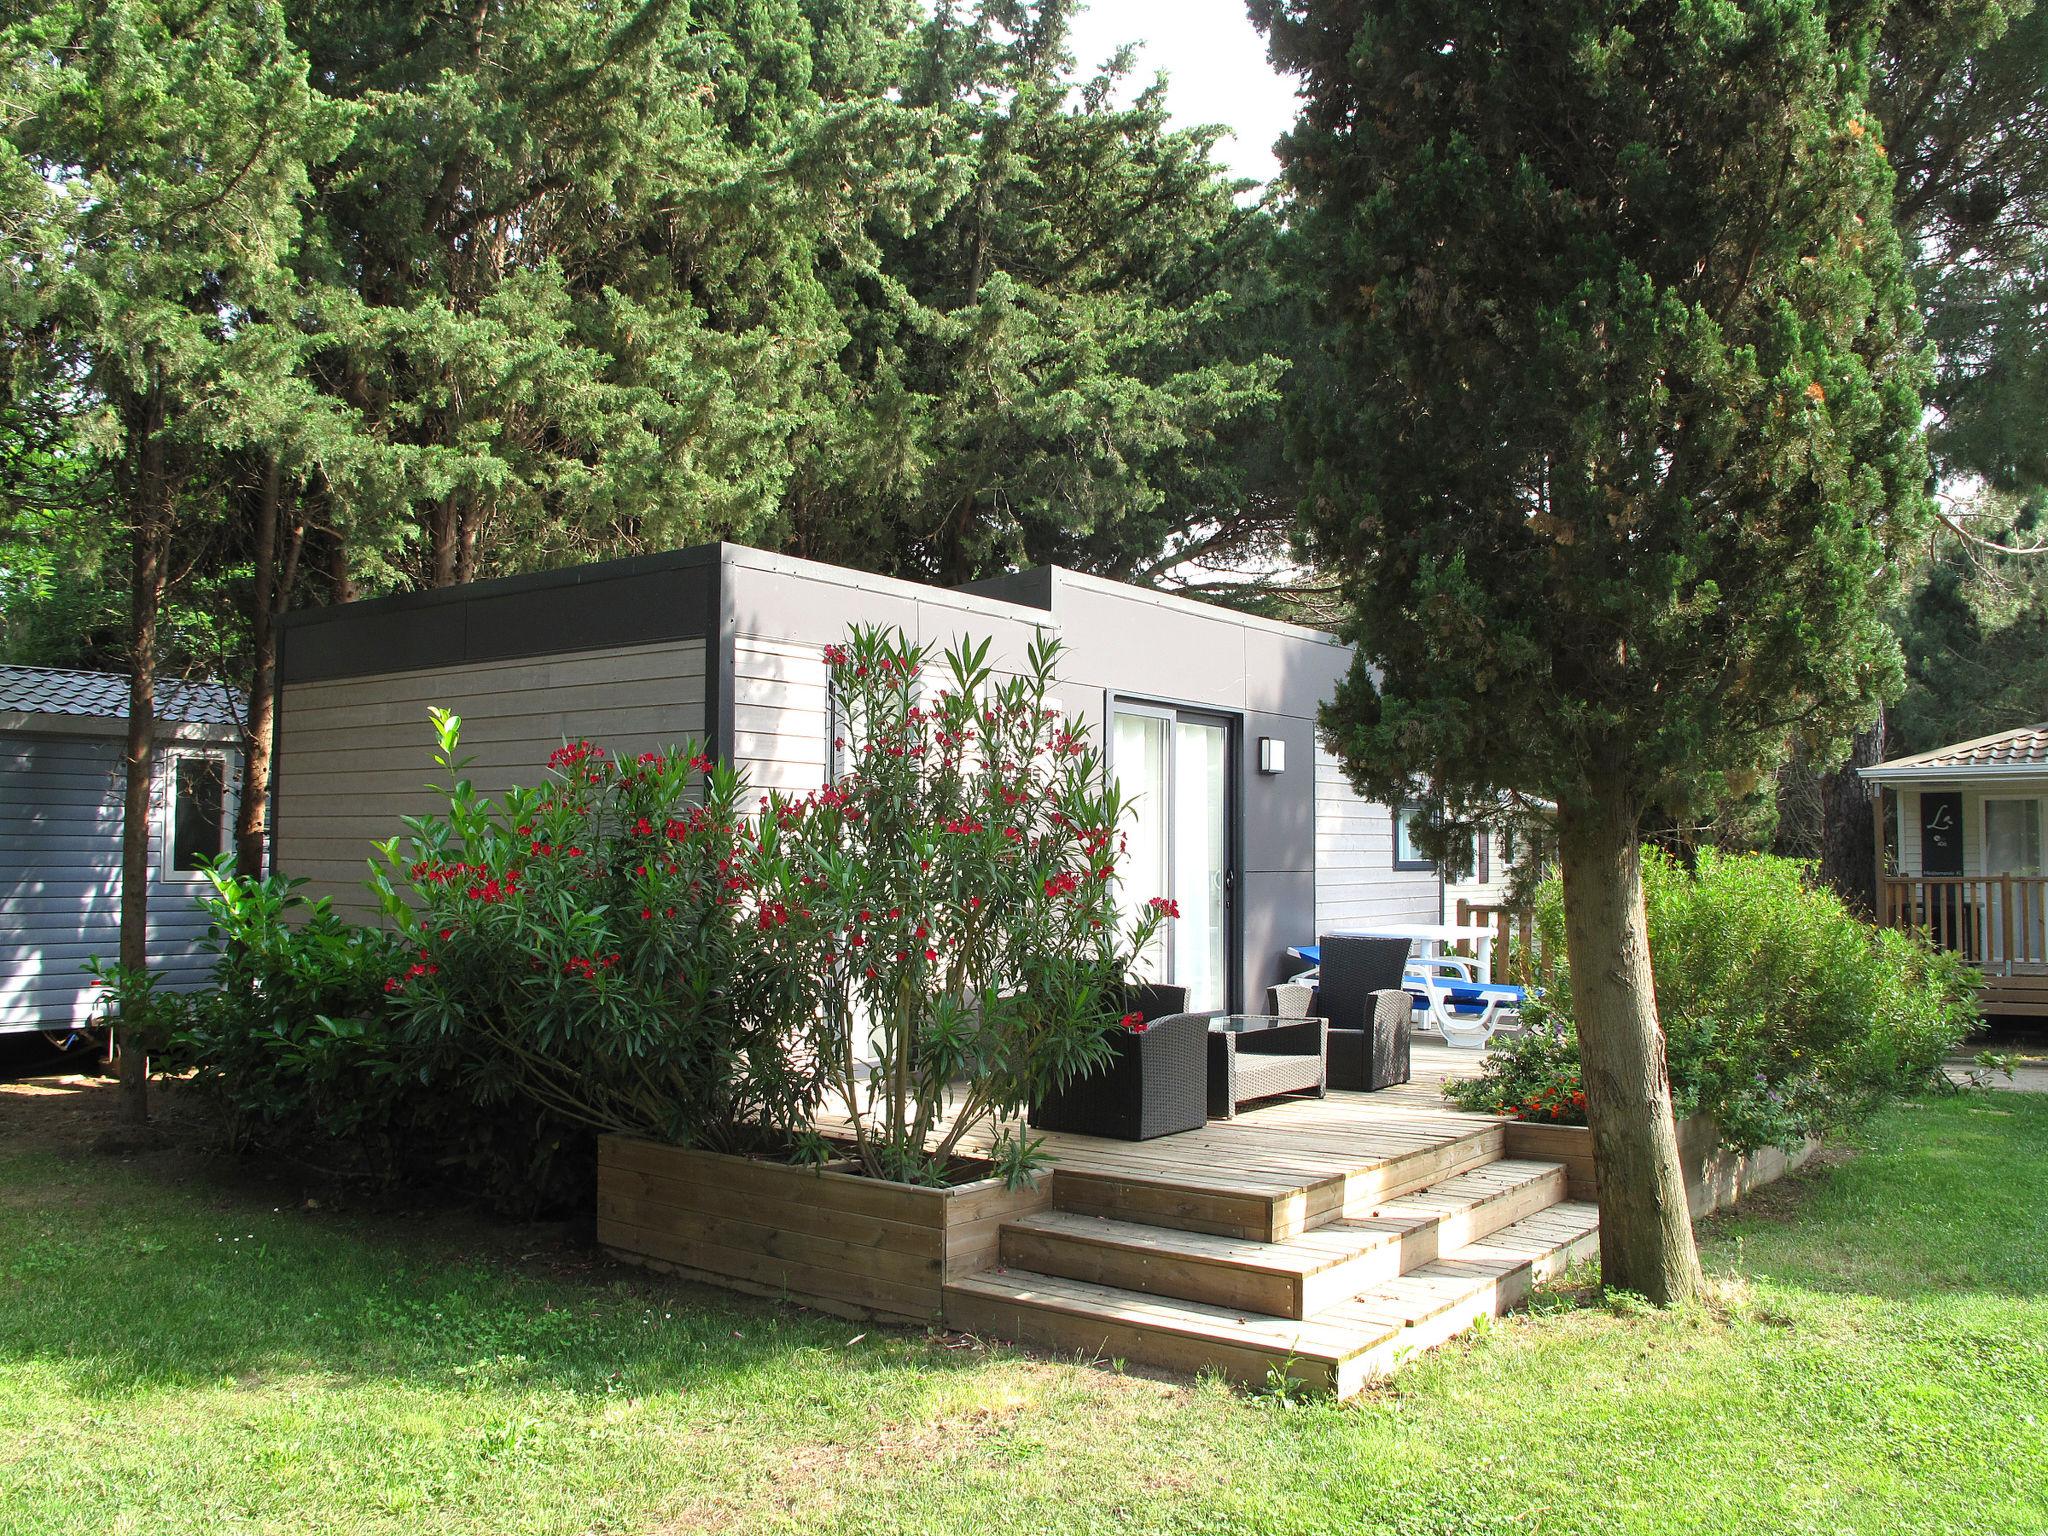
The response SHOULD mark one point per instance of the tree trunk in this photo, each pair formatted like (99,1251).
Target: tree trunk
(148,494)
(443,526)
(1848,829)
(1646,1242)
(269,591)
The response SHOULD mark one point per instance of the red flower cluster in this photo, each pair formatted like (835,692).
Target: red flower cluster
(1062,884)
(1135,1023)
(493,890)
(574,753)
(1165,905)
(1559,1102)
(428,873)
(413,972)
(589,967)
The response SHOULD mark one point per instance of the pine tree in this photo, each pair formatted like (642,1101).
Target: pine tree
(1614,436)
(154,161)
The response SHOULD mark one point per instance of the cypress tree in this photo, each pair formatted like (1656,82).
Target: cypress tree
(1613,440)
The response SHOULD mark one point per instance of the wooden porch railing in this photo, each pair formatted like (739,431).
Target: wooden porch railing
(1999,923)
(1517,955)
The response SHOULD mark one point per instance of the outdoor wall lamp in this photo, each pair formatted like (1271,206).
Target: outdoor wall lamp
(1272,755)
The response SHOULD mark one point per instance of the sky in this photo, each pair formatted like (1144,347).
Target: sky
(1215,63)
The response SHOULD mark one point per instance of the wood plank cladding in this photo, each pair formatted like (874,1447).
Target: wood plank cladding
(355,753)
(837,1241)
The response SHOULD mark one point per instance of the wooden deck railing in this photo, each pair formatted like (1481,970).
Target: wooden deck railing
(1999,923)
(1517,954)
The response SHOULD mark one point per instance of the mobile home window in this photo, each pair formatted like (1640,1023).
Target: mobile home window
(2012,837)
(1406,854)
(199,807)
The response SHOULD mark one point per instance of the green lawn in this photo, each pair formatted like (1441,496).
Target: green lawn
(184,1351)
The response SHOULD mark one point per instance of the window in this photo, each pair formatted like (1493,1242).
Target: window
(1406,854)
(2012,837)
(199,808)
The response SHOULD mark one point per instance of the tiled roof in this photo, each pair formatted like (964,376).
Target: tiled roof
(2024,747)
(50,691)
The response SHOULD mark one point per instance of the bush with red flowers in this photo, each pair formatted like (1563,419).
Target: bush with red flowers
(642,946)
(617,948)
(962,870)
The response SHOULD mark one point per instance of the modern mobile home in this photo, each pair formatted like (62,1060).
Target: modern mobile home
(1207,715)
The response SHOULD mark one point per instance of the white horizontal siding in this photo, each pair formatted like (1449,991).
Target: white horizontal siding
(60,880)
(356,754)
(1356,882)
(1974,795)
(781,713)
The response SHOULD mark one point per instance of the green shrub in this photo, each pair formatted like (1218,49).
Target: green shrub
(298,1053)
(1785,1014)
(626,949)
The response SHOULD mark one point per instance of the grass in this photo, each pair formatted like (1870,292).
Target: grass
(184,1351)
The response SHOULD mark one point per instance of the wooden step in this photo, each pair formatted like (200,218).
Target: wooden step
(1293,1278)
(1102,1322)
(1288,1193)
(1338,1349)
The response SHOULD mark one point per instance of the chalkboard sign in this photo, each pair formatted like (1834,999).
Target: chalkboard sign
(1941,833)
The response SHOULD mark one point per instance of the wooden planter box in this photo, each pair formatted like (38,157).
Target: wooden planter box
(1714,1176)
(843,1243)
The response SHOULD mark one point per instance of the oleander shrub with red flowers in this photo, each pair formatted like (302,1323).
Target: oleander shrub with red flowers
(930,940)
(615,947)
(962,873)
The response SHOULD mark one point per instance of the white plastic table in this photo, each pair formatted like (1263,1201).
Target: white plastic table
(1432,939)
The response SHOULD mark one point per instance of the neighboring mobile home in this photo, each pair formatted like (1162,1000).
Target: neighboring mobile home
(1960,855)
(1206,714)
(61,787)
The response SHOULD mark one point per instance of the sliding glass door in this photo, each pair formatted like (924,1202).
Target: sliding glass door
(1174,768)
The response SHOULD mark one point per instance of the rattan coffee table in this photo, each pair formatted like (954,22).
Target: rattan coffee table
(1257,1056)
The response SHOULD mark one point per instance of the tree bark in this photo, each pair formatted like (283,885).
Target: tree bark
(442,541)
(1848,829)
(1646,1241)
(341,581)
(149,495)
(274,559)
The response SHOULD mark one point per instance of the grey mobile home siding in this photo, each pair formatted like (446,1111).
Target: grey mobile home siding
(358,751)
(60,879)
(1356,882)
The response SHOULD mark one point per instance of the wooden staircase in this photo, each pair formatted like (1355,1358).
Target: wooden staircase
(1332,1280)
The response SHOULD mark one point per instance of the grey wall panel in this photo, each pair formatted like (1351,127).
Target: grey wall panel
(1279,808)
(1356,882)
(1279,910)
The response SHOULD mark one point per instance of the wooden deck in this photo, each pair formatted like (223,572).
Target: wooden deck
(1327,1239)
